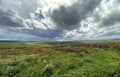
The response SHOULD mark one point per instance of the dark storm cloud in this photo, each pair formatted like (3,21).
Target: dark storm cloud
(10,19)
(69,17)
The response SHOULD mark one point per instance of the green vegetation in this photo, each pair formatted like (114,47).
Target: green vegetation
(31,59)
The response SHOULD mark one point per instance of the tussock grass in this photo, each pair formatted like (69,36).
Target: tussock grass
(26,59)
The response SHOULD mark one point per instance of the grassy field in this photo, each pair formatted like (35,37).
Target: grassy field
(31,59)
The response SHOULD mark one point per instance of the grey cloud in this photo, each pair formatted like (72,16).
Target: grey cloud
(22,7)
(10,19)
(110,20)
(66,18)
(48,33)
(109,31)
(108,13)
(39,15)
(69,17)
(8,35)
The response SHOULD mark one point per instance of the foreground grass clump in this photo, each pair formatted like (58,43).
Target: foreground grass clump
(60,60)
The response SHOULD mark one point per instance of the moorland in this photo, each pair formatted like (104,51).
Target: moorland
(60,59)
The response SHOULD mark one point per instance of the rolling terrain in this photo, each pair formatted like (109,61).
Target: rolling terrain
(64,59)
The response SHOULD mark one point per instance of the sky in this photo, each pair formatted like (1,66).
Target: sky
(59,20)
